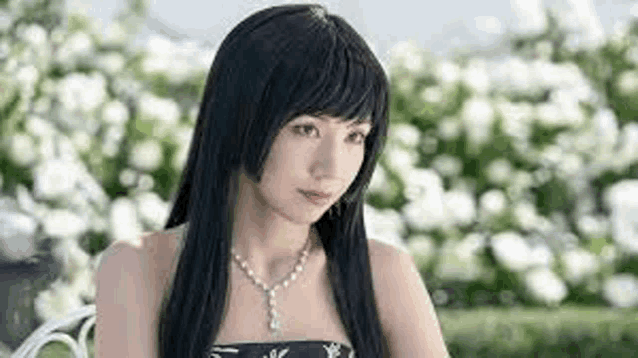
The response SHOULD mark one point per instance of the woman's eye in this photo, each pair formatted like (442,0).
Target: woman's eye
(302,129)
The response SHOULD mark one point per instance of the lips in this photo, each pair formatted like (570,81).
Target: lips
(319,194)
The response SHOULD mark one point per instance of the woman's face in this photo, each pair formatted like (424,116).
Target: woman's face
(311,153)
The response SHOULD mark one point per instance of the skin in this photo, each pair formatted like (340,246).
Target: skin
(273,220)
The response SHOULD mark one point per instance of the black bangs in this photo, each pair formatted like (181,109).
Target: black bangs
(335,79)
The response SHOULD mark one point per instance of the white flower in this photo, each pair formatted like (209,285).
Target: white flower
(593,226)
(472,243)
(163,110)
(516,119)
(422,248)
(551,155)
(66,149)
(115,112)
(432,94)
(385,225)
(379,179)
(56,302)
(421,182)
(54,178)
(84,283)
(16,235)
(627,82)
(499,171)
(158,45)
(145,182)
(579,264)
(79,46)
(64,224)
(6,20)
(146,155)
(426,213)
(114,35)
(156,64)
(408,55)
(545,286)
(34,35)
(179,159)
(449,128)
(113,136)
(78,91)
(39,127)
(447,72)
(525,215)
(24,199)
(82,141)
(22,149)
(511,251)
(128,177)
(406,134)
(447,165)
(621,290)
(622,197)
(27,77)
(511,75)
(152,210)
(493,202)
(461,206)
(400,159)
(606,127)
(478,118)
(475,76)
(73,259)
(628,152)
(541,255)
(544,49)
(124,222)
(111,62)
(550,115)
(457,263)
(571,165)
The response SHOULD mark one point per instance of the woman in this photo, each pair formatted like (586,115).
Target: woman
(295,101)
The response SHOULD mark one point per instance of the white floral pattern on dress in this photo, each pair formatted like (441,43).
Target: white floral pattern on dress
(273,353)
(334,350)
(224,350)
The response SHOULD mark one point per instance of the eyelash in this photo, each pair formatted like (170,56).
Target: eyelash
(362,134)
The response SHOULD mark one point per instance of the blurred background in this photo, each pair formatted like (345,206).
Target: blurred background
(510,174)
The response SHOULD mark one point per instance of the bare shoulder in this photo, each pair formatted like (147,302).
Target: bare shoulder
(152,254)
(406,312)
(161,251)
(382,248)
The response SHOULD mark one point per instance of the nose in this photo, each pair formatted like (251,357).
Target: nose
(331,158)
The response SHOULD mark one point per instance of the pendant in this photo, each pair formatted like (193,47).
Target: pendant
(275,324)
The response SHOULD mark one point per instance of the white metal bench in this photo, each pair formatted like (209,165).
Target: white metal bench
(46,333)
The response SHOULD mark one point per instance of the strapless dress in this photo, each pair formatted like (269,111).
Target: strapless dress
(284,349)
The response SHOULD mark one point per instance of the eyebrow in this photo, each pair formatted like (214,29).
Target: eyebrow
(356,122)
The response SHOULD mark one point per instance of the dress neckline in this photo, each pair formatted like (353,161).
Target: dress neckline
(283,342)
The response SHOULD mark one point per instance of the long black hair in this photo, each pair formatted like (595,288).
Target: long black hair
(279,63)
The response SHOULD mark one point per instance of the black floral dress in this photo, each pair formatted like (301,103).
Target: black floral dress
(284,349)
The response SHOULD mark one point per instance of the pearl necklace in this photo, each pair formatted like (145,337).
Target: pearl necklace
(275,324)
